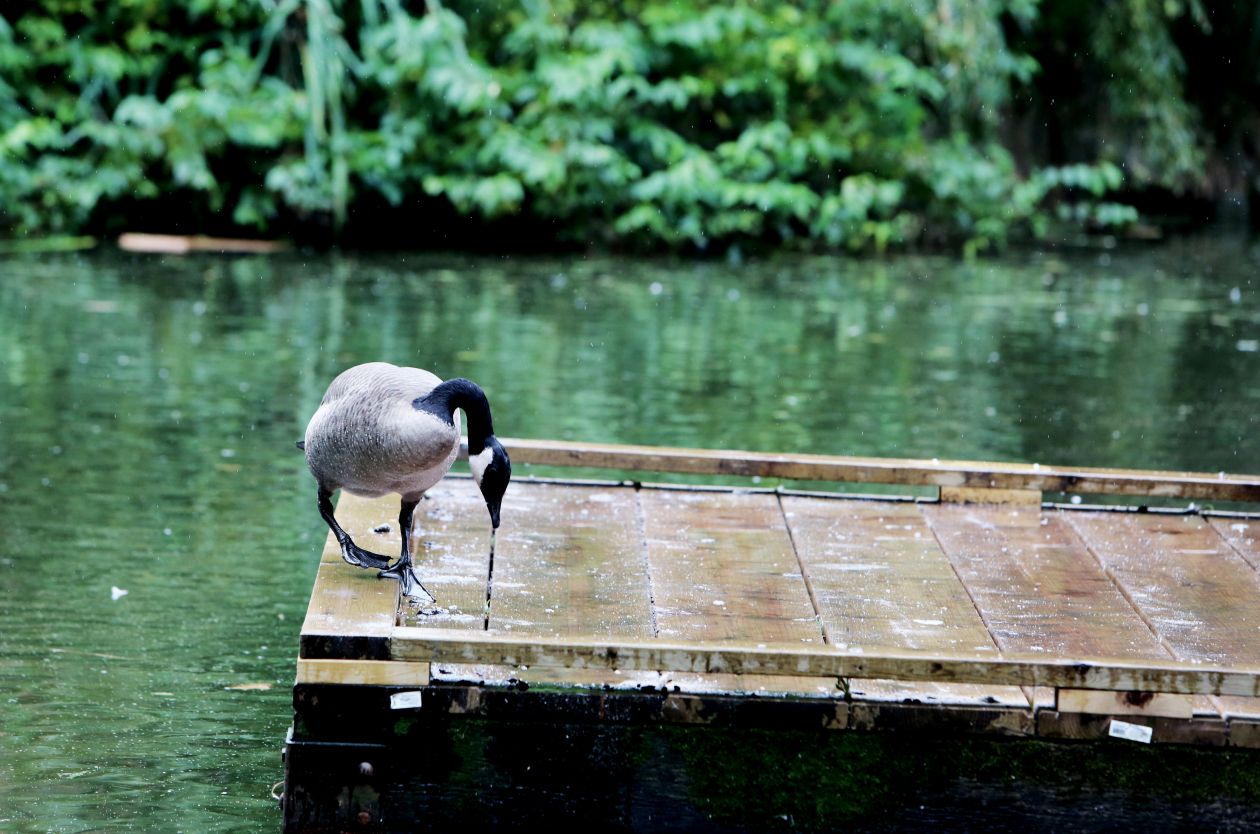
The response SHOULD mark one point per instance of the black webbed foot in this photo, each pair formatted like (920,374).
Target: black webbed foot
(405,573)
(359,557)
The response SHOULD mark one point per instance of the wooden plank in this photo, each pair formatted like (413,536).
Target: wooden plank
(1041,697)
(881,580)
(571,561)
(1232,707)
(1193,589)
(352,613)
(452,553)
(1038,588)
(943,694)
(875,691)
(442,646)
(723,569)
(1125,703)
(633,680)
(1076,726)
(990,475)
(1243,534)
(985,495)
(362,672)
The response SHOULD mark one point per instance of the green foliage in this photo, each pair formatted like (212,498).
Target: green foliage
(1145,97)
(861,125)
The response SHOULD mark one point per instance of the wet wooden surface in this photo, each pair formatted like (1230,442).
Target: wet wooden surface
(1064,598)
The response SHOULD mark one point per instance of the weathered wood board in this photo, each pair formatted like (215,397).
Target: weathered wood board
(951,604)
(1194,590)
(609,613)
(570,561)
(882,581)
(723,569)
(351,614)
(1041,591)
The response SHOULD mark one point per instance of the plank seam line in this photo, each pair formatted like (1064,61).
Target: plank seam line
(809,584)
(1225,541)
(988,627)
(1124,592)
(640,517)
(1119,586)
(1028,691)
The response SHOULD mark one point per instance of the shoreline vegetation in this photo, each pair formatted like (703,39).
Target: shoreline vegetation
(649,126)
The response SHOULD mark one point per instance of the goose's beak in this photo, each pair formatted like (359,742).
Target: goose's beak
(493,506)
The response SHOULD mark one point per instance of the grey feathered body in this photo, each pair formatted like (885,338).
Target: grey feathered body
(367,438)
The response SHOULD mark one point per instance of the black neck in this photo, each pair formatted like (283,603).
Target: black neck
(461,393)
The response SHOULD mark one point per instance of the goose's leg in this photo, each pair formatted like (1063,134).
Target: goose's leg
(350,551)
(402,569)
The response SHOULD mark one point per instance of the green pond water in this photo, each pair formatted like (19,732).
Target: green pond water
(148,408)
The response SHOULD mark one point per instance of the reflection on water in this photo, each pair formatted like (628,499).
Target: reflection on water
(148,408)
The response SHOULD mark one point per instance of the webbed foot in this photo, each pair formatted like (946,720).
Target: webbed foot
(361,558)
(405,573)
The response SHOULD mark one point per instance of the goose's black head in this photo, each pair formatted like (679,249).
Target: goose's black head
(492,469)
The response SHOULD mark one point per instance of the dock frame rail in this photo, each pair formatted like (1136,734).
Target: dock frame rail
(954,478)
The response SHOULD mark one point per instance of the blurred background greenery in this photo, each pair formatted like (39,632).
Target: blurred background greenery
(647,124)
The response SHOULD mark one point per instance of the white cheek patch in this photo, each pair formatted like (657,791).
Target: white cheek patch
(478,463)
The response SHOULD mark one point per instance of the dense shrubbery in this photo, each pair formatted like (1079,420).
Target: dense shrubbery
(861,124)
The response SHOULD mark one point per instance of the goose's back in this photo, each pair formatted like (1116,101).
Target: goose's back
(367,438)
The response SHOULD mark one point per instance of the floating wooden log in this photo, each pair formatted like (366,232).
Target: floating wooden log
(183,244)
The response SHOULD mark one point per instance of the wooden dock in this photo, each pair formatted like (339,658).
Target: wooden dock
(976,608)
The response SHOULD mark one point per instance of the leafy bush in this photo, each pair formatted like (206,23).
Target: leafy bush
(864,124)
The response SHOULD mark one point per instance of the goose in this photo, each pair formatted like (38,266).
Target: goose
(383,429)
